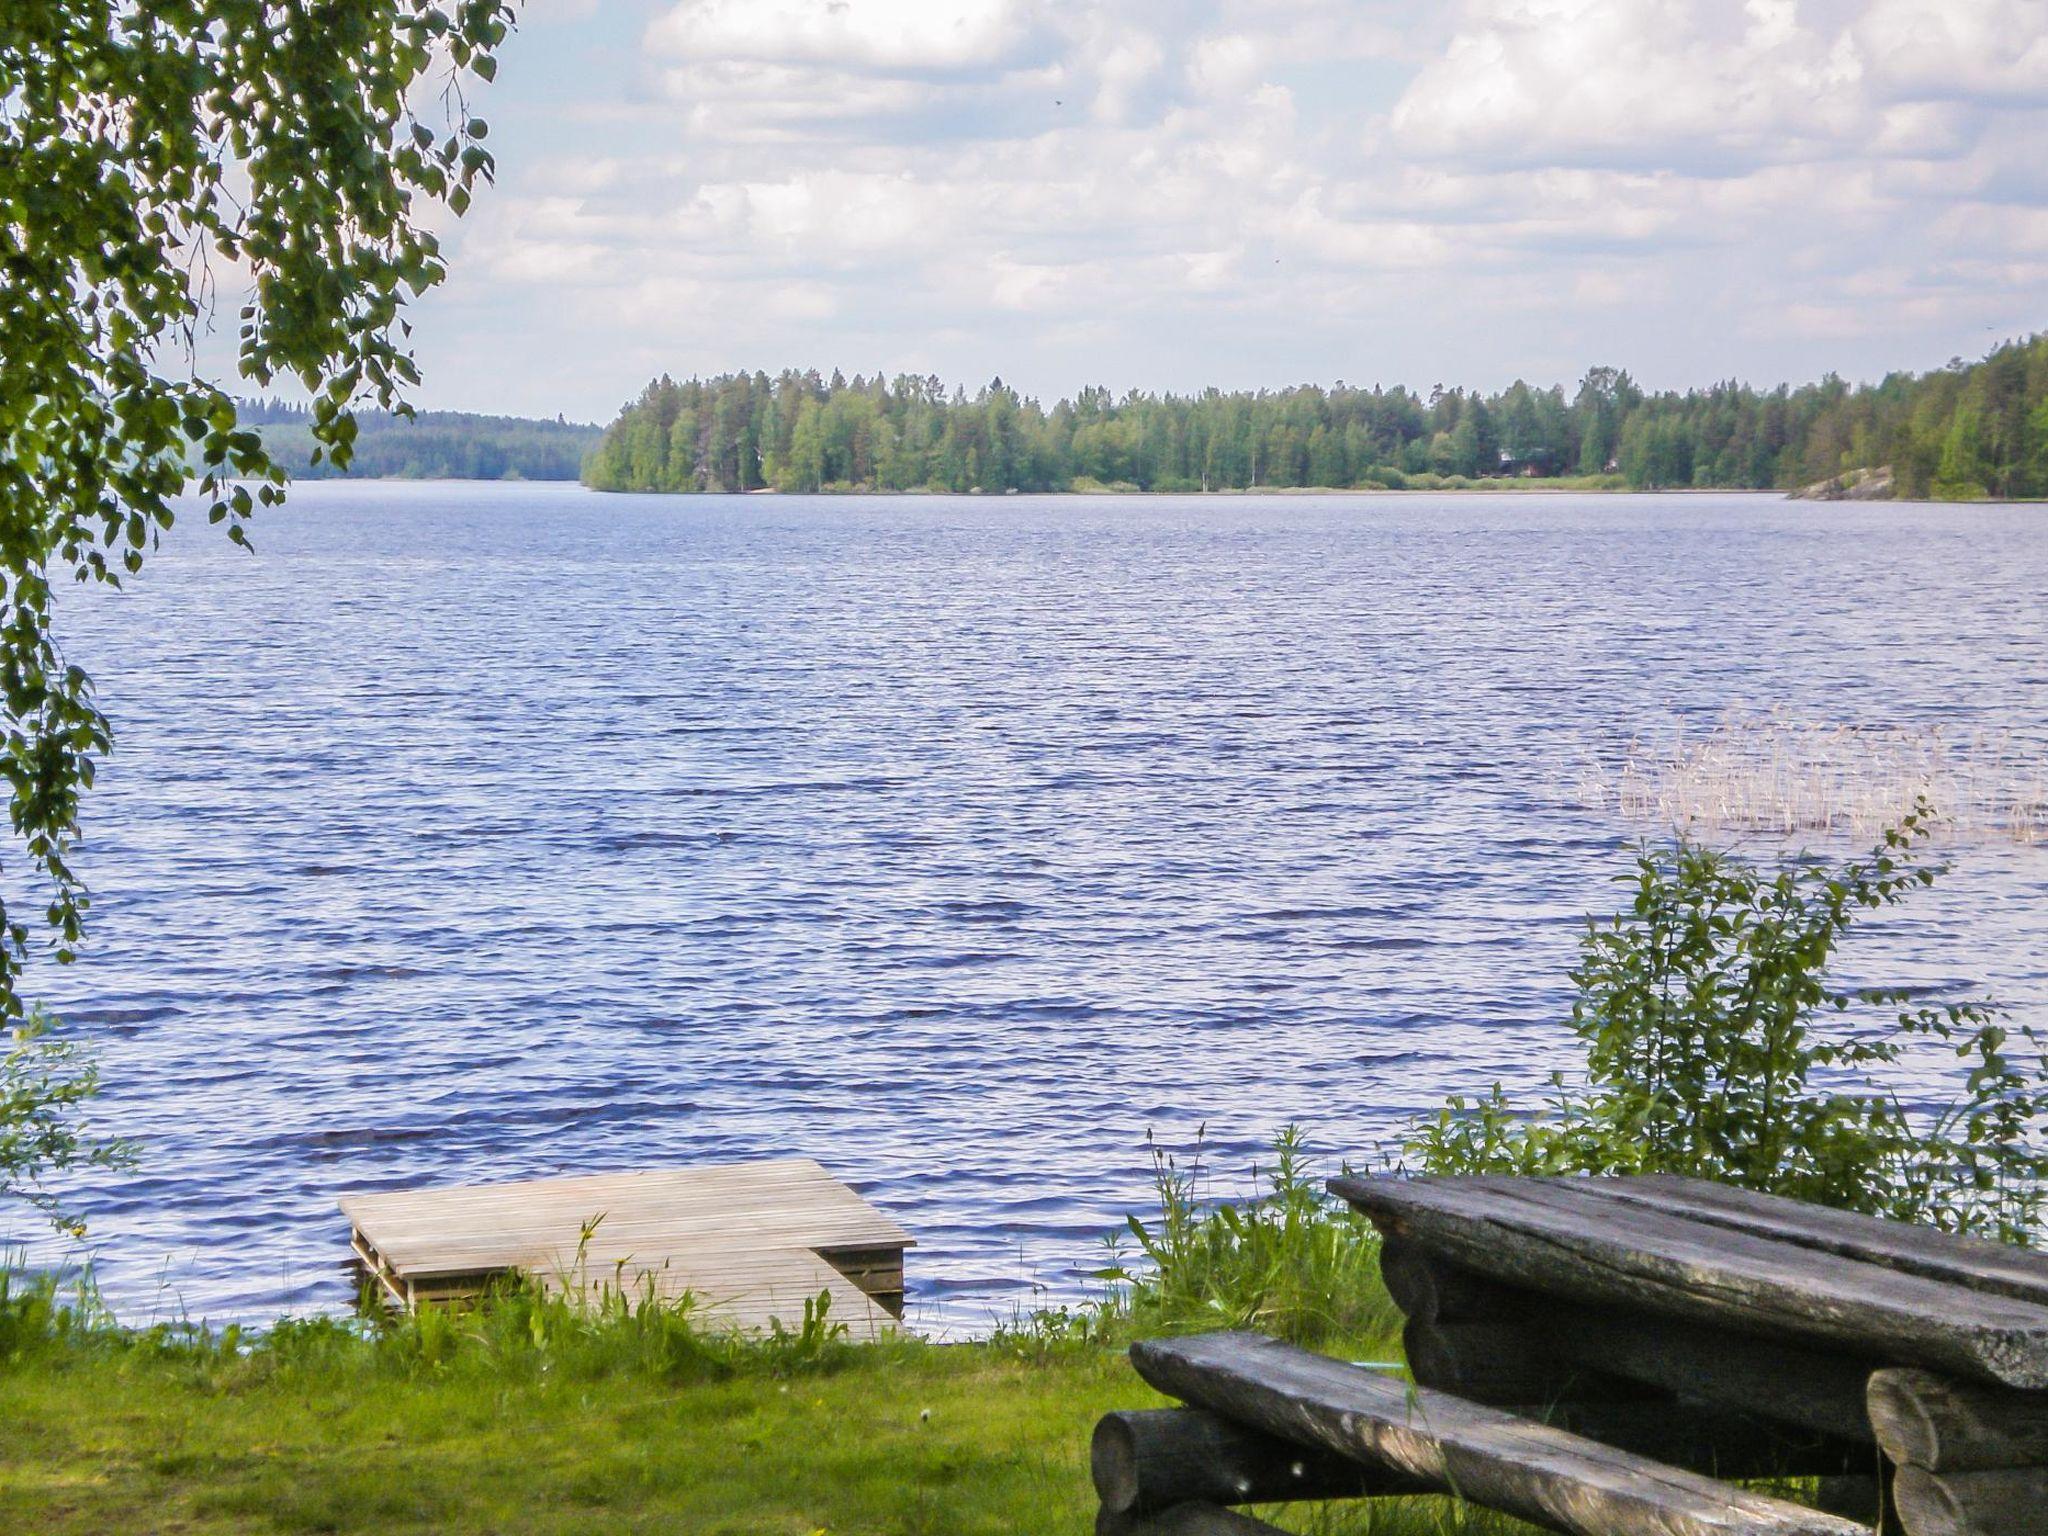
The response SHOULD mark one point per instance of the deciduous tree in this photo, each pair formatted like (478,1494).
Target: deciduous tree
(163,162)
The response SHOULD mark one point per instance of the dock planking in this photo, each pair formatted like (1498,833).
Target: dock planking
(750,1242)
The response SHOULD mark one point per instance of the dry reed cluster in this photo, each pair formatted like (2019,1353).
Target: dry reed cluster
(1777,775)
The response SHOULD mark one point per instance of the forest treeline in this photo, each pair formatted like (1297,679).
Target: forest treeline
(433,445)
(1961,432)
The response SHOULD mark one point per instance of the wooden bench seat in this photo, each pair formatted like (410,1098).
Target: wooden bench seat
(1410,1439)
(1675,1339)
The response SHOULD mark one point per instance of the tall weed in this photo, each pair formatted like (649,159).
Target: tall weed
(39,1315)
(1286,1259)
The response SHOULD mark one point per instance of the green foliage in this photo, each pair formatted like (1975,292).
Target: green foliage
(1289,1260)
(1964,469)
(44,1081)
(147,154)
(1960,432)
(1715,1047)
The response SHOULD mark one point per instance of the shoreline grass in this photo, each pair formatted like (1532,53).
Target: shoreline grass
(532,1414)
(520,1418)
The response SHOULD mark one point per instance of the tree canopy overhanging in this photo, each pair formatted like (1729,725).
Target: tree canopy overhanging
(164,163)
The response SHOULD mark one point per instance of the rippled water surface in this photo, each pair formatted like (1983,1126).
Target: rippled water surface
(475,832)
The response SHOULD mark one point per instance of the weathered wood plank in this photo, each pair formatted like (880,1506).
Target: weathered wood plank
(1711,1442)
(1154,1458)
(1724,1432)
(1976,1263)
(1928,1421)
(1820,1391)
(790,1202)
(1817,1391)
(747,1293)
(1484,1455)
(1549,1238)
(2011,1501)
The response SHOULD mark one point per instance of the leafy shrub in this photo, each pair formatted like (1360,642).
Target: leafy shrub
(1702,1009)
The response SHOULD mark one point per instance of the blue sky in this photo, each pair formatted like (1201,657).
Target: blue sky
(1175,193)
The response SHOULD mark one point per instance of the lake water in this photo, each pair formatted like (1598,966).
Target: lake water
(476,832)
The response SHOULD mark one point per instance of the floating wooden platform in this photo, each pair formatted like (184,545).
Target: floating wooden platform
(751,1242)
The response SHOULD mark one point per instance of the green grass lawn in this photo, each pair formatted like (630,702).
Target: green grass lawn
(907,1439)
(527,1417)
(893,1440)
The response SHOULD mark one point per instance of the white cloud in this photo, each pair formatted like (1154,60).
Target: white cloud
(1958,50)
(1255,191)
(1125,64)
(1720,88)
(827,216)
(1227,65)
(882,35)
(738,100)
(1635,83)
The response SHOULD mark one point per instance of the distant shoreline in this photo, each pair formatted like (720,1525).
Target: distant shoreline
(1489,488)
(1482,488)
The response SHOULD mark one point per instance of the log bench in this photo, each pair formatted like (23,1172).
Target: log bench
(1619,1357)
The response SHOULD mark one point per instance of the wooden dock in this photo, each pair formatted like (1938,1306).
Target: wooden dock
(751,1242)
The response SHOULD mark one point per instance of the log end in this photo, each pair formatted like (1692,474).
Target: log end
(1927,1506)
(1113,1463)
(1905,1430)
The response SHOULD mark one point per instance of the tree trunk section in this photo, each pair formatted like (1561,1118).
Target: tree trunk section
(1152,1459)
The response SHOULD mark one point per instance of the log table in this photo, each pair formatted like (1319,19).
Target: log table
(1615,1357)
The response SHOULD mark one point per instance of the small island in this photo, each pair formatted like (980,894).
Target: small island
(1962,433)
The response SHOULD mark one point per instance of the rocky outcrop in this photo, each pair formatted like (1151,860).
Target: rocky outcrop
(1857,485)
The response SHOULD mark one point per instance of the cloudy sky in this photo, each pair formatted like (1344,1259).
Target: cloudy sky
(1172,193)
